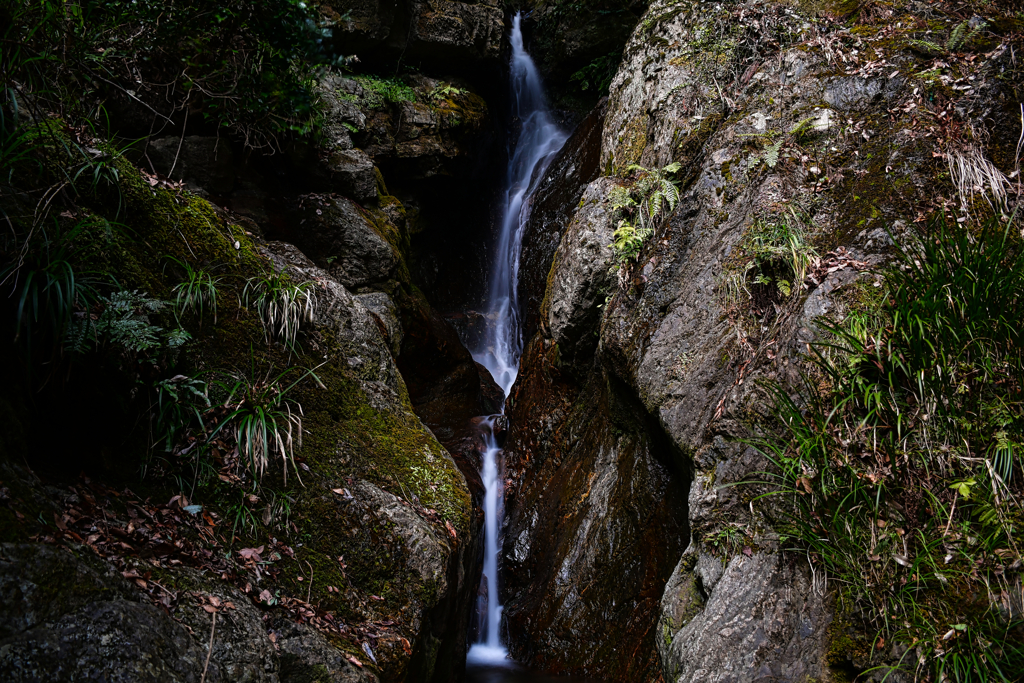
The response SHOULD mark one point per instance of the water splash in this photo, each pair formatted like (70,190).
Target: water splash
(502,344)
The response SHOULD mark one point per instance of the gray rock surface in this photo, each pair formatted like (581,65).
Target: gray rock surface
(756,618)
(383,308)
(581,277)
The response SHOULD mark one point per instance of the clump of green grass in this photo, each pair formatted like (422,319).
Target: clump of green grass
(282,305)
(776,257)
(196,293)
(263,420)
(901,460)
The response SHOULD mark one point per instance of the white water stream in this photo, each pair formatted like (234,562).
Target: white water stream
(502,343)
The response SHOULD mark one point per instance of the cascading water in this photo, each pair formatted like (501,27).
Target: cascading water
(502,344)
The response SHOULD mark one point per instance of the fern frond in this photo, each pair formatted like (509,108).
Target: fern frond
(927,47)
(956,36)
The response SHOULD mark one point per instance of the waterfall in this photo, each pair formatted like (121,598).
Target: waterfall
(502,343)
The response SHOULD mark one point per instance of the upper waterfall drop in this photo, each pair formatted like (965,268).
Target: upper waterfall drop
(539,139)
(502,344)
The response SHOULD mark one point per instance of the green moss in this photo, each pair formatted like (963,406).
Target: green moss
(545,304)
(632,142)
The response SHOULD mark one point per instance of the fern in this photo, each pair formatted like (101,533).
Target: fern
(641,208)
(927,47)
(125,323)
(961,37)
(801,126)
(771,154)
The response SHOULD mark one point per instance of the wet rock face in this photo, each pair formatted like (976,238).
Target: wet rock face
(596,518)
(551,210)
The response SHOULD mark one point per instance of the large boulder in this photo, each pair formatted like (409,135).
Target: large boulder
(747,99)
(551,209)
(69,617)
(756,617)
(581,280)
(359,248)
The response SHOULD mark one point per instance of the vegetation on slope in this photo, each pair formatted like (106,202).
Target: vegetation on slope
(902,456)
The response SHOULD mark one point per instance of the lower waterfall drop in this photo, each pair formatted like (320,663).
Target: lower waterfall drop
(502,345)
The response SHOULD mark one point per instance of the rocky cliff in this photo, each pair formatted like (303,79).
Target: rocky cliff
(350,551)
(643,384)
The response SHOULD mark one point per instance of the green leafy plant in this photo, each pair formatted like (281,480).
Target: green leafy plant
(180,403)
(196,293)
(898,459)
(378,93)
(640,207)
(598,74)
(245,66)
(44,286)
(445,91)
(242,514)
(282,305)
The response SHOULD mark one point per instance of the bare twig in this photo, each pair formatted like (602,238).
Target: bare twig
(184,127)
(209,653)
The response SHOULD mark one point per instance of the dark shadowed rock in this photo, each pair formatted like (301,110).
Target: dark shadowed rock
(456,35)
(204,163)
(352,173)
(596,520)
(346,240)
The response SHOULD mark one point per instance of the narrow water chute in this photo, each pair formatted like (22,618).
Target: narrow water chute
(502,344)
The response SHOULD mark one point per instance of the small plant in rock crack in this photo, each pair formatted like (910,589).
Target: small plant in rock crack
(777,256)
(264,421)
(282,305)
(640,208)
(196,293)
(446,91)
